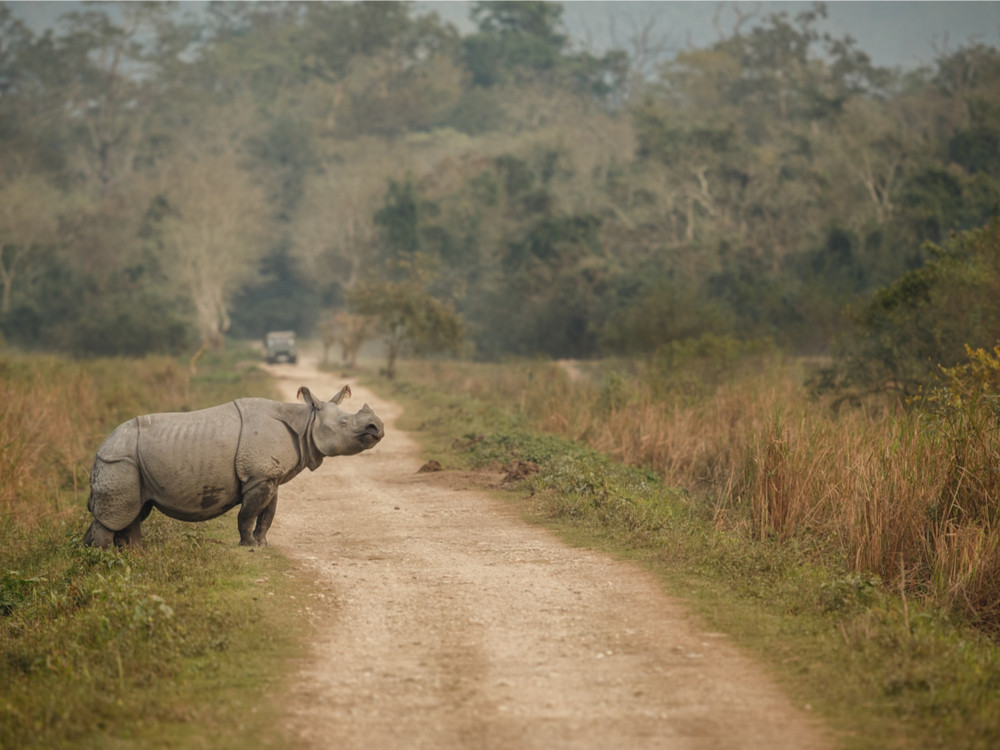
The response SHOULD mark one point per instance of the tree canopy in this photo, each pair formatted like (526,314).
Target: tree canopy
(164,182)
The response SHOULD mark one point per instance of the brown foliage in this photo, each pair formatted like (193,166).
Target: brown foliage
(53,415)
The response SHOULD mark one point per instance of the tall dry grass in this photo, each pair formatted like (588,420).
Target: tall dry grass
(53,414)
(886,492)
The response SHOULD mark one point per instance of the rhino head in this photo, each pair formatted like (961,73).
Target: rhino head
(336,432)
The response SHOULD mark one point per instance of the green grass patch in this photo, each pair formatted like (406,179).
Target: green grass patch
(179,643)
(881,670)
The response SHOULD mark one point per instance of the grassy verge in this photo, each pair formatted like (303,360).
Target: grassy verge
(176,644)
(883,669)
(180,643)
(903,493)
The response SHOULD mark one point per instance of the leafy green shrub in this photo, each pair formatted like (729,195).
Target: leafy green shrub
(508,444)
(922,320)
(850,594)
(699,365)
(583,484)
(962,410)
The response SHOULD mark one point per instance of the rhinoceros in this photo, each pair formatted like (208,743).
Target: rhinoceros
(197,465)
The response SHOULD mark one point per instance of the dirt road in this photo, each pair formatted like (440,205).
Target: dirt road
(445,621)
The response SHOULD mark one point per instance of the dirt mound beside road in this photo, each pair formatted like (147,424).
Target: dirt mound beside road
(445,621)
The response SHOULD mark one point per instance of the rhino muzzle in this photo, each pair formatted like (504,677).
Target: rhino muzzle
(371,435)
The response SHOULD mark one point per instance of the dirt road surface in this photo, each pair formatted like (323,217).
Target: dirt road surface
(444,621)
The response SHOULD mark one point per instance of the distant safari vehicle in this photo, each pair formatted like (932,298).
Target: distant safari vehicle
(280,347)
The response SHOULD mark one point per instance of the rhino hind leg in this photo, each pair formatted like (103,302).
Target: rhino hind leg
(115,501)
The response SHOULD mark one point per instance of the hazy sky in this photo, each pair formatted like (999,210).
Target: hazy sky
(892,33)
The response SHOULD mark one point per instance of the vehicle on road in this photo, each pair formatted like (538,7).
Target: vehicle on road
(279,346)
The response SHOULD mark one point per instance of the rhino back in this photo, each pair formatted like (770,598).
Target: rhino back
(120,444)
(187,461)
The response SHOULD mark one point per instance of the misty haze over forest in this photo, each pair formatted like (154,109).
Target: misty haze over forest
(491,178)
(906,34)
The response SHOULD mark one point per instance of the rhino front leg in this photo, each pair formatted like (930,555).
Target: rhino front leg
(132,534)
(264,520)
(256,502)
(98,535)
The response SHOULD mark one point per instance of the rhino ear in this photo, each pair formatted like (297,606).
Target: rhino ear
(306,396)
(345,392)
(366,407)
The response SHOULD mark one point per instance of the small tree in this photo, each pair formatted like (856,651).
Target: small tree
(213,237)
(327,330)
(28,218)
(408,317)
(924,320)
(350,331)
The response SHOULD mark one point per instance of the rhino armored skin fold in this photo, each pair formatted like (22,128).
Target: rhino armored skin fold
(194,466)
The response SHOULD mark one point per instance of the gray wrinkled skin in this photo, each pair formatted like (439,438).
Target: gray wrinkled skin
(197,465)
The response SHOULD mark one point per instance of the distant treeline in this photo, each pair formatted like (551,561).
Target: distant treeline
(163,183)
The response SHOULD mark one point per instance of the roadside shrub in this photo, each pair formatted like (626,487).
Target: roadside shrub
(921,320)
(697,365)
(962,411)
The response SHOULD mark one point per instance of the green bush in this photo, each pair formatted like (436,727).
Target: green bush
(922,320)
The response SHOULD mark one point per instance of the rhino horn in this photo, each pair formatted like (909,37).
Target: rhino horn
(306,396)
(345,392)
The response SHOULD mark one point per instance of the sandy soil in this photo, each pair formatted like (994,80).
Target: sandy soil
(444,621)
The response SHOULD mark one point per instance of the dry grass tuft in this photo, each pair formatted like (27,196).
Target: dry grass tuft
(53,414)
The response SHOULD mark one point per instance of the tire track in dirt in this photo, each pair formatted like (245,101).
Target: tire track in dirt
(445,621)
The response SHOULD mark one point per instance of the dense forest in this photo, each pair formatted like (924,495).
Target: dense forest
(367,170)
